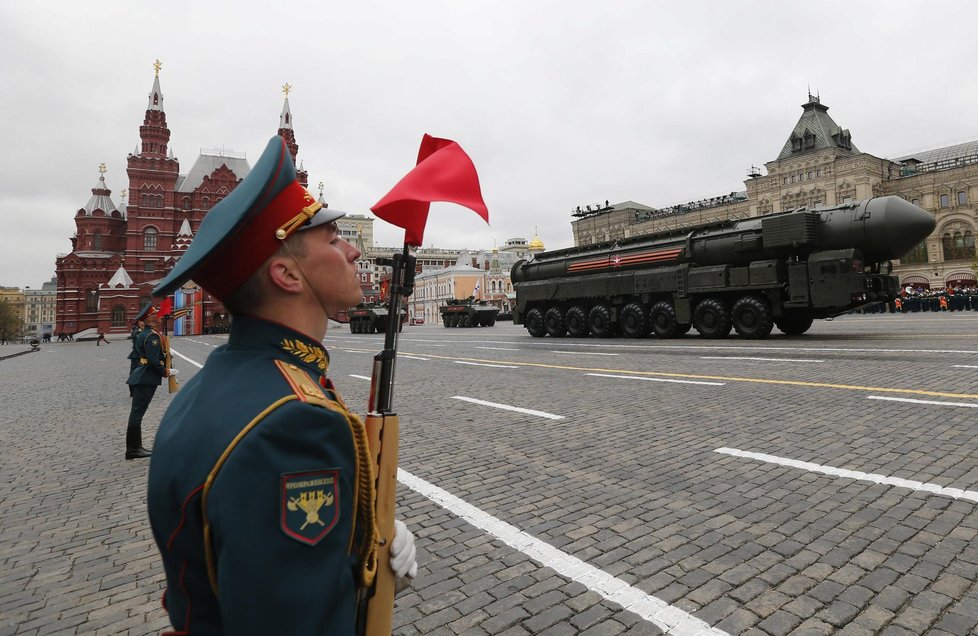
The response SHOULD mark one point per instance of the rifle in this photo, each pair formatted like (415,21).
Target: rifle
(376,607)
(171,379)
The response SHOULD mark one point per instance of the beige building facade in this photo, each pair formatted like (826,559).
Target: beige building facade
(819,166)
(40,309)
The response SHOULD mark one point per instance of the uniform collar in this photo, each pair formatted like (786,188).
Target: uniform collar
(291,345)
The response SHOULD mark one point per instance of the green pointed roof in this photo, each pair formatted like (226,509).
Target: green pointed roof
(816,130)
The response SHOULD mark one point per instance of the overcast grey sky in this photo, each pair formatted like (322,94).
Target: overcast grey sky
(559,103)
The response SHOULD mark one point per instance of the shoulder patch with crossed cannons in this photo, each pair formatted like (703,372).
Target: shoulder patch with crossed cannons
(309,504)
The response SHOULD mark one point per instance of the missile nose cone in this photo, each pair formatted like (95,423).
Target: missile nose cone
(896,226)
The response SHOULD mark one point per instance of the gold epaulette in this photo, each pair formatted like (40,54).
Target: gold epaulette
(305,388)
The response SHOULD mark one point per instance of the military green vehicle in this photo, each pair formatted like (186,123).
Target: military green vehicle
(783,269)
(468,312)
(372,318)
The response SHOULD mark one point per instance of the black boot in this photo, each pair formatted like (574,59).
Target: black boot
(134,444)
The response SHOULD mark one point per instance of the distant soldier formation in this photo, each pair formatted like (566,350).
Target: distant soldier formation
(916,299)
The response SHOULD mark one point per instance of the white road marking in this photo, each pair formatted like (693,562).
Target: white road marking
(507,407)
(955,493)
(404,355)
(482,364)
(587,353)
(360,377)
(758,359)
(654,610)
(180,355)
(637,377)
(498,349)
(964,366)
(933,402)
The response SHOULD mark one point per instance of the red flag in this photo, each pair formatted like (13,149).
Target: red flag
(443,173)
(166,307)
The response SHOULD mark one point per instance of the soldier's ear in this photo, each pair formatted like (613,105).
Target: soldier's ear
(283,274)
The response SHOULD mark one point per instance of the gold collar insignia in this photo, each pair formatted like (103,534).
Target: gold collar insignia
(307,353)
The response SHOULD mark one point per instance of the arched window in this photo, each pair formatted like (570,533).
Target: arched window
(97,241)
(916,255)
(186,203)
(149,238)
(118,316)
(91,301)
(969,244)
(947,246)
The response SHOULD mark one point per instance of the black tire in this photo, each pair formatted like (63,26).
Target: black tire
(712,318)
(663,319)
(599,319)
(464,321)
(751,317)
(450,320)
(634,321)
(533,321)
(354,326)
(577,322)
(794,324)
(553,321)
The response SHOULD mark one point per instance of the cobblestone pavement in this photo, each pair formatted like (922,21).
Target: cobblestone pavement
(846,502)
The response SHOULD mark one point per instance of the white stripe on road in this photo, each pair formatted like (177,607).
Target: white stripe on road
(360,377)
(637,377)
(587,353)
(507,407)
(955,493)
(654,610)
(404,355)
(482,364)
(933,402)
(180,355)
(758,359)
(964,366)
(498,349)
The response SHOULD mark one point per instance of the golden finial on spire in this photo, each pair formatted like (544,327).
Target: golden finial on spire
(286,87)
(123,194)
(101,168)
(157,65)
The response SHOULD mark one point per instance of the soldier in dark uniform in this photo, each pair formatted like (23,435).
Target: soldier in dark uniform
(260,488)
(137,327)
(146,376)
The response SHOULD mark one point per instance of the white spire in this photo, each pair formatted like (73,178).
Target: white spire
(285,119)
(120,278)
(155,95)
(185,229)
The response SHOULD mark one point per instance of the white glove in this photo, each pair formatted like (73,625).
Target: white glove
(174,371)
(403,554)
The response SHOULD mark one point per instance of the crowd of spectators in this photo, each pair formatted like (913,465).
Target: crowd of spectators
(916,299)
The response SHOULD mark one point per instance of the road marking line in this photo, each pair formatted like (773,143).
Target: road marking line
(758,359)
(507,407)
(649,608)
(180,355)
(636,377)
(695,376)
(587,353)
(401,355)
(360,377)
(894,399)
(498,349)
(482,364)
(937,489)
(964,366)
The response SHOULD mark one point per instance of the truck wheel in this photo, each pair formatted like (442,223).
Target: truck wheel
(663,318)
(751,317)
(794,324)
(600,321)
(634,321)
(553,320)
(577,323)
(534,323)
(712,318)
(463,321)
(354,326)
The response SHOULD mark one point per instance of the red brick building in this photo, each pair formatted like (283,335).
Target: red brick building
(119,254)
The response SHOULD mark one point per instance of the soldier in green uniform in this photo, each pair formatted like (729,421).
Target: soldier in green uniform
(145,377)
(137,327)
(260,486)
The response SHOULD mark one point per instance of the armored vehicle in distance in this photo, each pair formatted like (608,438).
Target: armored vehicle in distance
(468,313)
(372,318)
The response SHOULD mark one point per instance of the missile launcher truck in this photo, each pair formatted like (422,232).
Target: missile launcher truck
(468,313)
(783,270)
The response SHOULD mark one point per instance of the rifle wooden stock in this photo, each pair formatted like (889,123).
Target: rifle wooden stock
(170,379)
(383,432)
